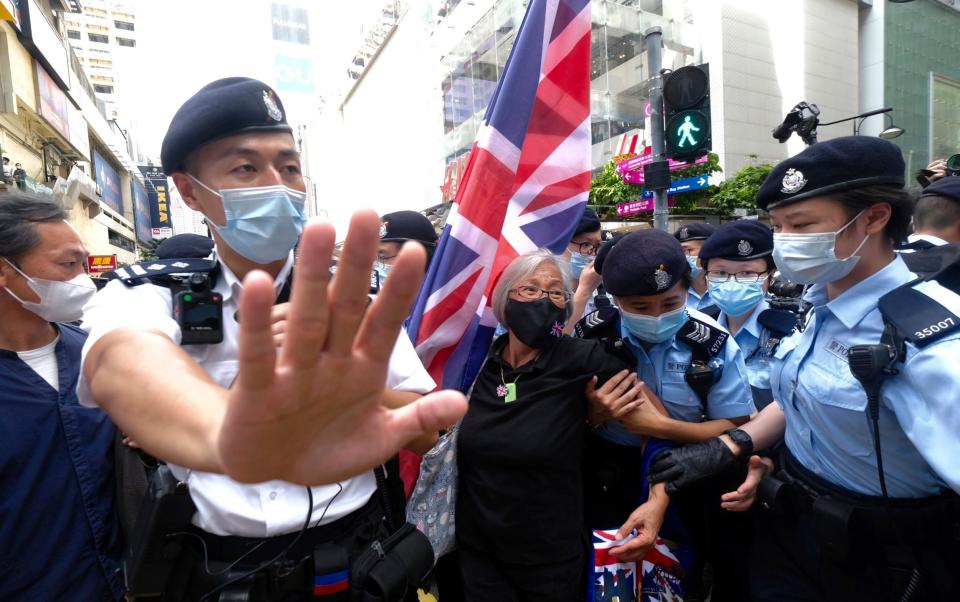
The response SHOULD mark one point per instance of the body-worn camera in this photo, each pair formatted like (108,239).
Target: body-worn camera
(953,165)
(199,312)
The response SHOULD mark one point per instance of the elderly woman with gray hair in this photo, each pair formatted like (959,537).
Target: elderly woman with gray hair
(519,514)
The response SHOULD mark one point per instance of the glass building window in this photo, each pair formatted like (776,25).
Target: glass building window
(126,42)
(73,34)
(96,37)
(103,89)
(944,118)
(123,25)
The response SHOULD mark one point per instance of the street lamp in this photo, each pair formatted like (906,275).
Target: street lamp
(892,131)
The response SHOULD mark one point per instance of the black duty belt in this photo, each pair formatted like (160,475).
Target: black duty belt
(919,520)
(227,548)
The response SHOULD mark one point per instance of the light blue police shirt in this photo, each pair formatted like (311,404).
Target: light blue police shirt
(752,339)
(695,301)
(663,367)
(828,426)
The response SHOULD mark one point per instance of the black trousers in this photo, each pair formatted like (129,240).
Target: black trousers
(488,579)
(721,540)
(838,545)
(792,564)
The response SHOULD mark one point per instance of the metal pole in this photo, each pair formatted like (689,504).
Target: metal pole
(652,38)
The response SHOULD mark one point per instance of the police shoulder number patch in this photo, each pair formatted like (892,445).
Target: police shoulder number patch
(919,318)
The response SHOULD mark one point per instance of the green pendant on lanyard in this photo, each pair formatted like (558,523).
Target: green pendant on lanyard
(508,391)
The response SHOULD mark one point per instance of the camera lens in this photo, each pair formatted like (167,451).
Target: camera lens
(953,164)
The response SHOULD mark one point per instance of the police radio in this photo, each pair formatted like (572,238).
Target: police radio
(199,312)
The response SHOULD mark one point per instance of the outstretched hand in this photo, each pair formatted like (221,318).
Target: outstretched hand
(310,412)
(746,494)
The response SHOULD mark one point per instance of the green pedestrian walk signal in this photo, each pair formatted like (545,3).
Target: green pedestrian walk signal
(687,132)
(686,110)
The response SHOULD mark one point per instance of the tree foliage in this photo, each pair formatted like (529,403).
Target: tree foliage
(607,189)
(148,250)
(740,191)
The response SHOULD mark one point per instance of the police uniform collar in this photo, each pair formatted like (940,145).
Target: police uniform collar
(231,285)
(860,299)
(936,240)
(696,295)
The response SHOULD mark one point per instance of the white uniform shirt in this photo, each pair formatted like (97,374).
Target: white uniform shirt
(225,507)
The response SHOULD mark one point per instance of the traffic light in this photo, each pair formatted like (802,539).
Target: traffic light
(686,110)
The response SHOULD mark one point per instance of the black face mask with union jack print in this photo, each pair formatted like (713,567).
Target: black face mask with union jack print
(538,324)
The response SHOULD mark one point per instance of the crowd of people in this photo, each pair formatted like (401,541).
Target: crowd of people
(735,412)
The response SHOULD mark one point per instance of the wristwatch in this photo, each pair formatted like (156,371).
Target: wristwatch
(742,439)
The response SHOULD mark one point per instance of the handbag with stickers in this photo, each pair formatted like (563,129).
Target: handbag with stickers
(432,505)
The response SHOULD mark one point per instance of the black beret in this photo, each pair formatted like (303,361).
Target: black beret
(741,240)
(948,188)
(694,231)
(646,262)
(604,251)
(221,108)
(833,166)
(401,226)
(589,222)
(184,246)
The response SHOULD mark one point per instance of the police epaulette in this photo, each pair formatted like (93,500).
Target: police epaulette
(918,318)
(780,322)
(599,324)
(140,272)
(704,337)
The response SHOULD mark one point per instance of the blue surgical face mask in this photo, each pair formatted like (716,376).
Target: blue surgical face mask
(578,261)
(382,270)
(263,224)
(812,258)
(736,298)
(695,270)
(654,329)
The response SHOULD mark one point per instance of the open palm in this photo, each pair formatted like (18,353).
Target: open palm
(311,412)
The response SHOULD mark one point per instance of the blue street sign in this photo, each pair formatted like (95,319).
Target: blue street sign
(681,186)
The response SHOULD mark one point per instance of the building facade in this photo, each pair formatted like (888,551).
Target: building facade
(908,62)
(52,123)
(760,64)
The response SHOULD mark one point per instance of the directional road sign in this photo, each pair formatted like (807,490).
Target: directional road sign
(681,186)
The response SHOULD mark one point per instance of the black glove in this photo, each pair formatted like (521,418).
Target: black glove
(684,466)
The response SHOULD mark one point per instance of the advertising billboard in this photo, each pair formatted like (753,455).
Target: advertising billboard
(109,182)
(141,209)
(158,193)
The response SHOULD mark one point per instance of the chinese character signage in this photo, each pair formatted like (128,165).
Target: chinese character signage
(97,264)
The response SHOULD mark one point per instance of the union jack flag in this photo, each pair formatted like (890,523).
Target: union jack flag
(524,187)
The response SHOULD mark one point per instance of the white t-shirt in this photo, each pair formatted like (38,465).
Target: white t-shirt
(43,360)
(224,506)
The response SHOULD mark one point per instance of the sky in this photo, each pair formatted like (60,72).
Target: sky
(184,44)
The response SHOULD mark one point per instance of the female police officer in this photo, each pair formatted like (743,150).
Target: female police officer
(738,265)
(685,359)
(866,480)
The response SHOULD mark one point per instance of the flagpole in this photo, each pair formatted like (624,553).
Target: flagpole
(652,38)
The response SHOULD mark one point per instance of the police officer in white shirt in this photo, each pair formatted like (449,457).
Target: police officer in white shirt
(244,424)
